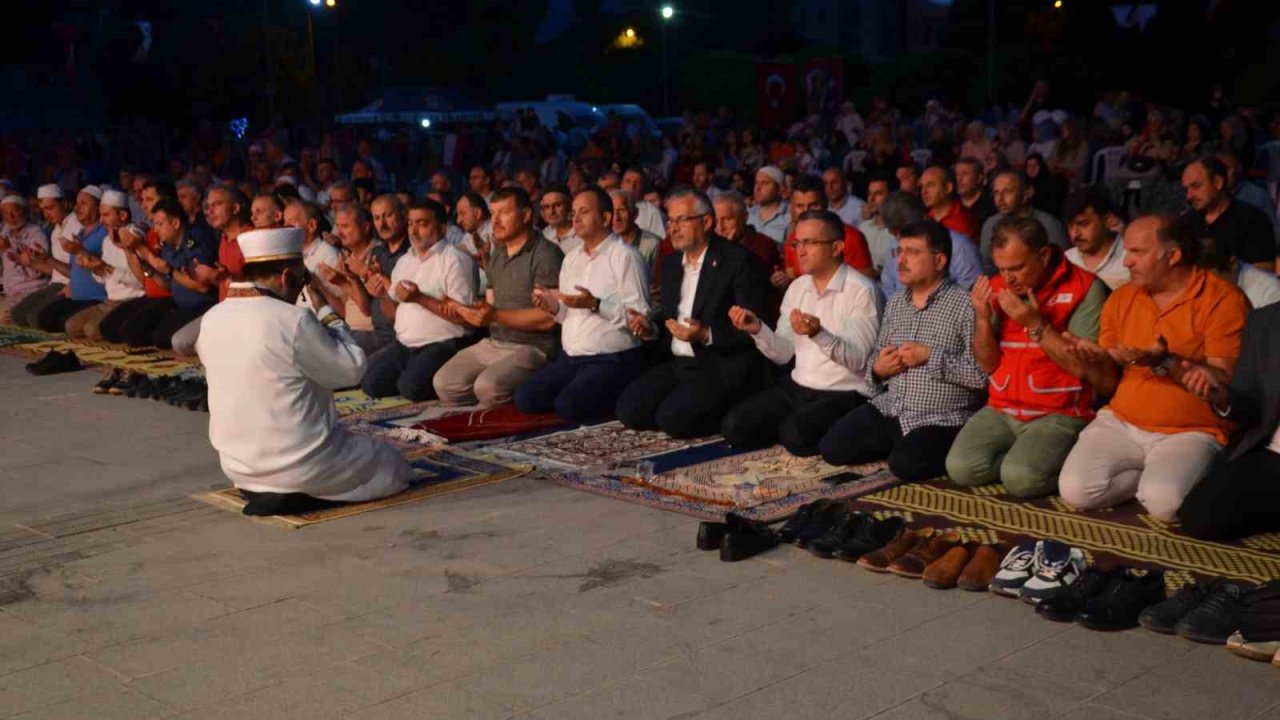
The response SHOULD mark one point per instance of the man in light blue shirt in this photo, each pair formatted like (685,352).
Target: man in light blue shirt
(900,210)
(770,215)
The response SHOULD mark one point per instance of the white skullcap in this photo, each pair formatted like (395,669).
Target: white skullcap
(115,199)
(287,179)
(49,192)
(271,244)
(92,191)
(774,173)
(306,193)
(14,199)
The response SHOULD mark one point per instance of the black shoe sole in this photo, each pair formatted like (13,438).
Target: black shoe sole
(1054,616)
(1103,627)
(1163,630)
(1207,640)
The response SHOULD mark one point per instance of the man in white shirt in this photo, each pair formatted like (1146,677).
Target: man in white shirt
(1261,287)
(1012,196)
(316,251)
(480,181)
(647,217)
(839,200)
(879,240)
(601,282)
(830,317)
(112,266)
(555,206)
(272,367)
(20,239)
(770,216)
(473,217)
(1096,247)
(63,227)
(426,280)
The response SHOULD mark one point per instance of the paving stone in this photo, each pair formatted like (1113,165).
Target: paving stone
(114,704)
(445,701)
(1206,682)
(53,683)
(1100,659)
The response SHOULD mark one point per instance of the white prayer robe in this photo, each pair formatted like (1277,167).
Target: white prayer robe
(272,368)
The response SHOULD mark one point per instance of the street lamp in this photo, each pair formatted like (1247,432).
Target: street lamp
(667,12)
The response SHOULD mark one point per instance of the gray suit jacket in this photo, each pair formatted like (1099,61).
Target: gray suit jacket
(1255,385)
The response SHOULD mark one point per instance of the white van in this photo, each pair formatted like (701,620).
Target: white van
(559,113)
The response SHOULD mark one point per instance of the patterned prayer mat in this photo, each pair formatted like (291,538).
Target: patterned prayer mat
(438,472)
(354,401)
(151,362)
(764,485)
(1124,535)
(605,444)
(11,335)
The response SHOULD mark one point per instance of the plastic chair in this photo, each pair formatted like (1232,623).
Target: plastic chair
(922,157)
(853,162)
(1105,162)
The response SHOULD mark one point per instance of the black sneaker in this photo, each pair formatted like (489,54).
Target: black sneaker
(1163,617)
(1213,620)
(871,536)
(55,363)
(823,519)
(140,388)
(787,533)
(128,380)
(842,532)
(1064,604)
(108,381)
(1124,598)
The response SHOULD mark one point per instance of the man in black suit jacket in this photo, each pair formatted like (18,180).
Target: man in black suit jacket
(1242,497)
(708,363)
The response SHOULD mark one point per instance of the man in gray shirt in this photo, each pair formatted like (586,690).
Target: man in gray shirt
(520,335)
(1012,195)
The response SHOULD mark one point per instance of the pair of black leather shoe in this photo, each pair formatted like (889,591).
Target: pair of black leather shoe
(1115,601)
(737,538)
(54,363)
(812,521)
(1206,613)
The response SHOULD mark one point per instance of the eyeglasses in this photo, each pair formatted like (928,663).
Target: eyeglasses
(912,252)
(685,219)
(796,244)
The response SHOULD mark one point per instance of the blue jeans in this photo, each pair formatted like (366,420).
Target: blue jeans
(580,390)
(397,369)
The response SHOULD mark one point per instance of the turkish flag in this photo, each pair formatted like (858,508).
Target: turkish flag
(777,94)
(823,84)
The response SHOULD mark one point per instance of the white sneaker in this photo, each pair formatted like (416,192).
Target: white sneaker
(1057,566)
(1015,570)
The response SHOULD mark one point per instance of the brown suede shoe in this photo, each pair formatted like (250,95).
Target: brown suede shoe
(927,550)
(878,561)
(942,573)
(983,565)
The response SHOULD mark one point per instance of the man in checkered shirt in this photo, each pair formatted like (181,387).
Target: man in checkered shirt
(926,379)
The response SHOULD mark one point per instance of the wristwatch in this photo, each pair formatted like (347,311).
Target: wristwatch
(1162,368)
(595,306)
(1037,332)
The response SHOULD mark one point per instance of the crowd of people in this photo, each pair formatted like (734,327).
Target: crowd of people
(970,312)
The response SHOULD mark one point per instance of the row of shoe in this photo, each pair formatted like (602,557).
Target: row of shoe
(830,529)
(189,393)
(54,363)
(737,538)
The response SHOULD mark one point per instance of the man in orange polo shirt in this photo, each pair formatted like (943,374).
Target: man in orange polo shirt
(807,195)
(1156,439)
(937,190)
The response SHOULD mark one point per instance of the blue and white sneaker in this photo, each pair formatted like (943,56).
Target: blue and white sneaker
(1015,570)
(1057,566)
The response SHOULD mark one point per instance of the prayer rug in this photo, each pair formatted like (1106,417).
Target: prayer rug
(354,401)
(151,362)
(764,485)
(398,425)
(438,471)
(488,424)
(11,335)
(1124,535)
(604,444)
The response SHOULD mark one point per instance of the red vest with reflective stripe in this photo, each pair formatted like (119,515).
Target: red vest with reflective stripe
(1027,384)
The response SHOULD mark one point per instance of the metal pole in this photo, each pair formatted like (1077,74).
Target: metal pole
(266,59)
(666,83)
(991,51)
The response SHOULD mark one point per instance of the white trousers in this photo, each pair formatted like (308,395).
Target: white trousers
(1113,462)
